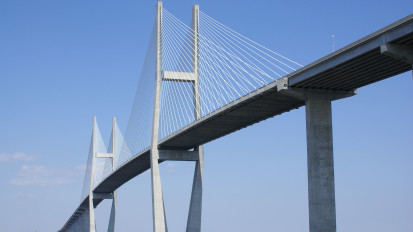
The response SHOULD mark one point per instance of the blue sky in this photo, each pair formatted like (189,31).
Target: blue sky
(62,62)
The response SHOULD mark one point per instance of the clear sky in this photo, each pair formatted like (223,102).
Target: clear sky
(62,62)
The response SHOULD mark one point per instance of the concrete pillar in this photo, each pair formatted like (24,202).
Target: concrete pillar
(92,225)
(159,219)
(195,61)
(195,207)
(321,193)
(111,226)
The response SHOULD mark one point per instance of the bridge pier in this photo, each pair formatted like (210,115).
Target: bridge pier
(195,207)
(321,189)
(92,223)
(111,226)
(159,219)
(89,219)
(320,160)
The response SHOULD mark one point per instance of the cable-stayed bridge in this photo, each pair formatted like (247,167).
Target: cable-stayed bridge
(202,81)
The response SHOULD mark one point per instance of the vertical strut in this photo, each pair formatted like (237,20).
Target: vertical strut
(195,61)
(92,226)
(195,207)
(159,219)
(111,225)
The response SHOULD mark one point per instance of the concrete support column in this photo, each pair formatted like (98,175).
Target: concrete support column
(321,193)
(195,61)
(195,207)
(159,219)
(321,190)
(111,226)
(92,225)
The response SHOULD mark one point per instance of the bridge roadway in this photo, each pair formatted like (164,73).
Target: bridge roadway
(358,64)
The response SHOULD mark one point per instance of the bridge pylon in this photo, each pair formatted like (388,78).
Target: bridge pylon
(111,155)
(157,156)
(84,217)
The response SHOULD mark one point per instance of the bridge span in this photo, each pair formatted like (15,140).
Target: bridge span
(380,55)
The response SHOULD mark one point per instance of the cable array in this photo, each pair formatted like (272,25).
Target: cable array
(229,66)
(88,171)
(177,99)
(139,129)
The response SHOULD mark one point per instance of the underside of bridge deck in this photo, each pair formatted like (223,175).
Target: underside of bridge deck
(252,108)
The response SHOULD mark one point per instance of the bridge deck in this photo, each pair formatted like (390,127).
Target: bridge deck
(137,165)
(356,65)
(259,105)
(78,212)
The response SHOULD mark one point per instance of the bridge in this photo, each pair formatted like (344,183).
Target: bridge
(204,81)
